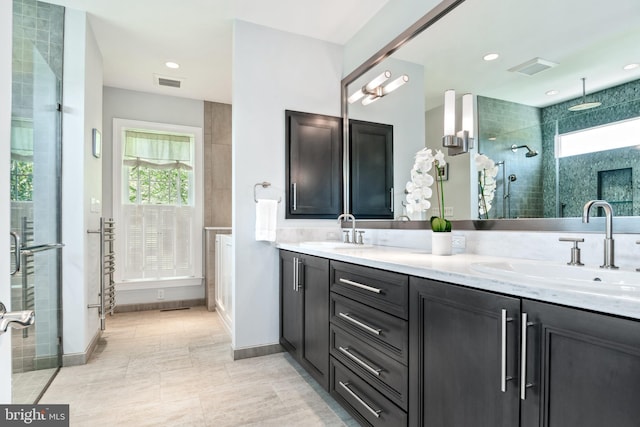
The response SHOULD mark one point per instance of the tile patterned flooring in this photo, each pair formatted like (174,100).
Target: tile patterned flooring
(173,368)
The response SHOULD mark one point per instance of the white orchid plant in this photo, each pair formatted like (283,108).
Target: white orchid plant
(419,188)
(487,171)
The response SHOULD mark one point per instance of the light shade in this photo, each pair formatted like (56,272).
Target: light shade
(395,84)
(378,81)
(355,96)
(467,113)
(450,112)
(369,99)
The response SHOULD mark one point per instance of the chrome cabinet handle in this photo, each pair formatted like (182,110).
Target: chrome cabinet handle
(374,412)
(365,365)
(391,199)
(360,285)
(503,351)
(16,251)
(523,358)
(360,324)
(295,274)
(295,196)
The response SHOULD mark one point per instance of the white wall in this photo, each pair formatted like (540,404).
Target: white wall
(6,21)
(395,17)
(81,181)
(272,71)
(132,105)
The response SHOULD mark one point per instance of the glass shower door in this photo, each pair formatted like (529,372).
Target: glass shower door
(35,218)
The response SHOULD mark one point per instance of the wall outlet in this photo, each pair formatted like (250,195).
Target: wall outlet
(458,242)
(160,294)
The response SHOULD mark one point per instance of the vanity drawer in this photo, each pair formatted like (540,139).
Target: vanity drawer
(383,331)
(365,402)
(381,289)
(387,375)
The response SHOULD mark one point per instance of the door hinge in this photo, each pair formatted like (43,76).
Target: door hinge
(59,108)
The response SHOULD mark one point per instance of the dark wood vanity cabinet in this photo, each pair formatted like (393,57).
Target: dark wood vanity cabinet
(313,165)
(369,343)
(457,358)
(583,367)
(304,312)
(371,169)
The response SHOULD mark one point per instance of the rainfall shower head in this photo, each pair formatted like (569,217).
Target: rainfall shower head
(584,105)
(530,152)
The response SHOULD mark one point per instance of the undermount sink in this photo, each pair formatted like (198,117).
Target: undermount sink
(332,244)
(564,276)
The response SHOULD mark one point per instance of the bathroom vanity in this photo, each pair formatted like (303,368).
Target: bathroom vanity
(406,338)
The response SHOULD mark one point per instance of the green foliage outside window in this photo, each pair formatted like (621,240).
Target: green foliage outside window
(159,186)
(21,181)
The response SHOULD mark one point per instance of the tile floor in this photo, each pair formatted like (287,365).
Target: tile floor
(173,368)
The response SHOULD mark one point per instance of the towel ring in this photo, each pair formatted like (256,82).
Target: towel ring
(263,184)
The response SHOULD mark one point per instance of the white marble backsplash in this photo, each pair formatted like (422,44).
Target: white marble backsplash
(512,244)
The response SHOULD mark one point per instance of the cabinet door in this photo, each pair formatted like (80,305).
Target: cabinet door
(290,304)
(456,358)
(371,157)
(584,368)
(315,292)
(313,165)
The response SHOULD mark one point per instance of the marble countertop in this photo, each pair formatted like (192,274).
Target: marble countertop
(458,269)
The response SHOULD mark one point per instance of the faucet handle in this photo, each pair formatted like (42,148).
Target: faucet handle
(346,237)
(360,240)
(575,250)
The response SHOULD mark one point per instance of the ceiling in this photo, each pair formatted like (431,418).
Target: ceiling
(137,37)
(586,38)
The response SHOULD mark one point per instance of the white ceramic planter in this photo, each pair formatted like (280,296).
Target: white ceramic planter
(441,243)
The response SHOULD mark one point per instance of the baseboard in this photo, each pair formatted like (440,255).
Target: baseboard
(160,305)
(75,359)
(262,350)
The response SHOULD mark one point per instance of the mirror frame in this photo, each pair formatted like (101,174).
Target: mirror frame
(624,225)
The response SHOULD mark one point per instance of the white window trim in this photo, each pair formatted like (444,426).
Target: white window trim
(119,126)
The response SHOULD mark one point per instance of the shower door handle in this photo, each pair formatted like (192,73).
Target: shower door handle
(15,251)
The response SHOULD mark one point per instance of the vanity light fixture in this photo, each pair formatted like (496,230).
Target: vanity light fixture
(172,65)
(375,90)
(630,67)
(461,141)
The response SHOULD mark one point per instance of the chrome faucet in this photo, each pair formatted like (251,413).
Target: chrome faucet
(609,259)
(349,217)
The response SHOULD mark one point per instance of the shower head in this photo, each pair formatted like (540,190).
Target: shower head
(512,177)
(584,105)
(530,152)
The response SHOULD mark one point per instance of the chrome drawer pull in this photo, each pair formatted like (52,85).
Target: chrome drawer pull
(359,323)
(359,361)
(503,352)
(360,285)
(374,412)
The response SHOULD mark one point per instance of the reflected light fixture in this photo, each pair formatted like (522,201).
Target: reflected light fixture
(173,65)
(584,105)
(491,57)
(375,90)
(461,141)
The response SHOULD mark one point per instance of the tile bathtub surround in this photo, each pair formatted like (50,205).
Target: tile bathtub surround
(174,368)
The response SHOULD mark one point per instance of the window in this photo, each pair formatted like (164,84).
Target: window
(606,137)
(159,219)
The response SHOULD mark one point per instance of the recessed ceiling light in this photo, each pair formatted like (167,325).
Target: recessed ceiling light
(631,66)
(173,65)
(490,56)
(492,138)
(551,92)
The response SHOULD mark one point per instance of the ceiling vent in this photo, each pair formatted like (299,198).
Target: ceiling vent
(175,82)
(533,66)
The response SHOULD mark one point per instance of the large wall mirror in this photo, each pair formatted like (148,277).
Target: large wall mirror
(522,99)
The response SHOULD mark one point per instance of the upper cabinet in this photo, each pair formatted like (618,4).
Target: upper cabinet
(313,165)
(371,167)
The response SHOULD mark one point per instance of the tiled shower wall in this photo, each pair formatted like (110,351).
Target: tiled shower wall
(217,184)
(578,175)
(502,124)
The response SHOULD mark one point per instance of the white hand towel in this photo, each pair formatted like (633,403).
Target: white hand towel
(266,211)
